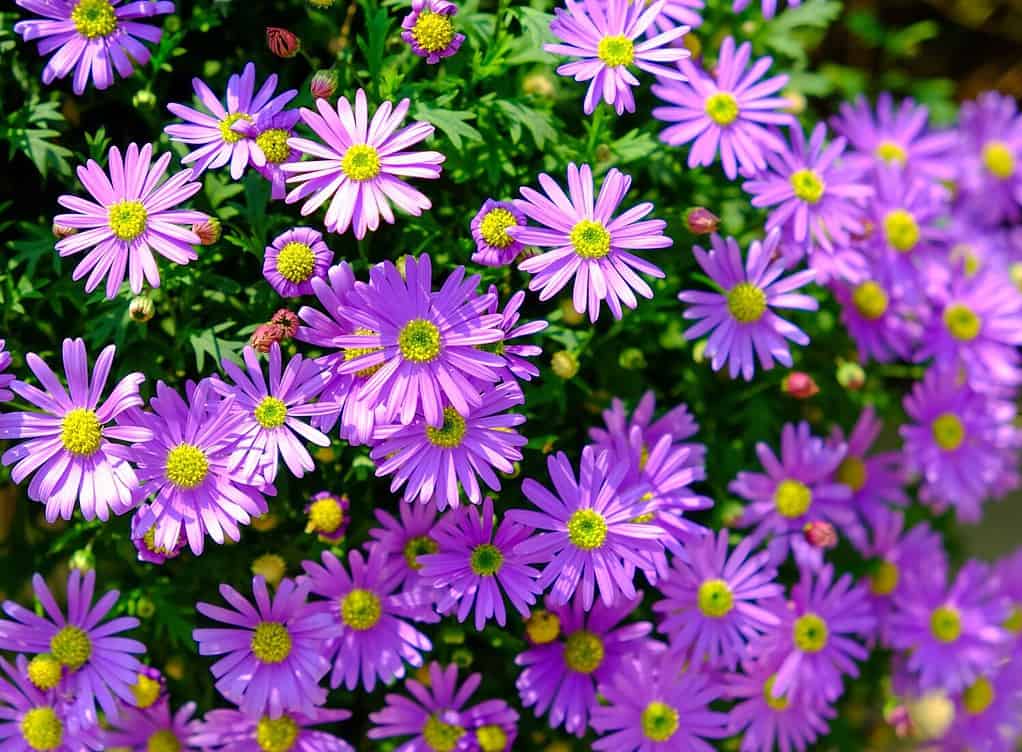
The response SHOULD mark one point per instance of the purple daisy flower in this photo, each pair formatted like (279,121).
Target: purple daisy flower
(588,244)
(407,538)
(515,355)
(875,480)
(270,429)
(988,714)
(369,622)
(741,318)
(591,536)
(815,634)
(725,112)
(431,463)
(6,395)
(895,136)
(329,516)
(492,727)
(155,728)
(818,200)
(144,539)
(769,6)
(677,422)
(602,34)
(877,316)
(132,216)
(494,246)
(797,488)
(291,732)
(359,164)
(990,162)
(575,650)
(424,342)
(429,31)
(952,630)
(711,606)
(273,650)
(269,148)
(92,37)
(98,665)
(650,708)
(476,565)
(294,259)
(219,132)
(70,447)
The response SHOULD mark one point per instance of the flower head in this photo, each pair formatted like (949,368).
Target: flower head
(269,148)
(329,516)
(878,314)
(155,729)
(144,539)
(294,259)
(490,225)
(515,355)
(988,713)
(407,538)
(429,30)
(876,479)
(291,732)
(990,158)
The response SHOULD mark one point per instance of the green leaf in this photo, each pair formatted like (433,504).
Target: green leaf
(374,44)
(451,122)
(538,123)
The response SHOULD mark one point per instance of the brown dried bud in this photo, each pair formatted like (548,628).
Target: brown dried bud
(264,336)
(287,322)
(60,231)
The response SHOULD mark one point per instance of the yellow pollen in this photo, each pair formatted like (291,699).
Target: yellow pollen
(273,143)
(276,734)
(645,517)
(852,472)
(361,162)
(901,230)
(227,132)
(163,741)
(127,219)
(270,412)
(44,671)
(433,32)
(149,538)
(419,341)
(146,691)
(999,160)
(978,696)
(350,353)
(962,322)
(892,153)
(808,186)
(659,721)
(810,633)
(616,50)
(491,738)
(42,729)
(722,108)
(296,262)
(543,627)
(715,598)
(416,547)
(746,302)
(450,434)
(325,515)
(440,736)
(583,651)
(80,432)
(948,431)
(486,560)
(1014,621)
(361,609)
(71,646)
(271,642)
(774,703)
(590,239)
(187,466)
(494,227)
(94,18)
(945,624)
(792,498)
(587,529)
(870,300)
(885,579)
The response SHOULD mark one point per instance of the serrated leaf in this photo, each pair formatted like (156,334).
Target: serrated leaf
(537,123)
(451,122)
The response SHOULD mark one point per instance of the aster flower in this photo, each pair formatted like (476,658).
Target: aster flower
(92,37)
(590,534)
(424,343)
(494,246)
(149,688)
(98,664)
(588,244)
(155,728)
(407,538)
(429,31)
(131,216)
(652,708)
(575,650)
(292,732)
(603,34)
(359,164)
(219,132)
(725,112)
(294,259)
(515,355)
(72,446)
(6,395)
(273,650)
(369,621)
(798,487)
(431,463)
(270,429)
(877,316)
(817,199)
(269,147)
(476,564)
(769,6)
(678,422)
(952,629)
(329,516)
(990,157)
(988,713)
(741,319)
(711,605)
(492,726)
(875,480)
(144,539)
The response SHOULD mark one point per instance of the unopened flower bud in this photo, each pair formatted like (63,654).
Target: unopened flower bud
(143,100)
(265,522)
(282,43)
(631,359)
(565,364)
(141,309)
(61,231)
(321,4)
(323,84)
(701,221)
(799,385)
(851,376)
(796,102)
(264,336)
(931,715)
(603,153)
(569,315)
(83,559)
(208,231)
(287,321)
(145,608)
(820,534)
(271,567)
(897,717)
(539,84)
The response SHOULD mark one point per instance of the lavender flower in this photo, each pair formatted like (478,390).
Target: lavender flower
(990,158)
(875,480)
(490,225)
(291,732)
(515,355)
(155,728)
(6,395)
(407,538)
(294,259)
(269,149)
(428,30)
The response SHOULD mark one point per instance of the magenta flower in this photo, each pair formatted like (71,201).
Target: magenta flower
(269,149)
(407,538)
(589,244)
(73,447)
(429,31)
(6,395)
(490,225)
(148,728)
(359,163)
(240,732)
(132,216)
(517,366)
(990,158)
(875,480)
(877,315)
(988,713)
(294,259)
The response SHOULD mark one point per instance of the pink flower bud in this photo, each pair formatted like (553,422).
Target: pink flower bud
(208,231)
(264,336)
(701,221)
(799,385)
(287,322)
(323,84)
(282,42)
(820,534)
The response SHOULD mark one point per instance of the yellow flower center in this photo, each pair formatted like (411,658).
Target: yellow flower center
(127,219)
(271,567)
(149,538)
(491,738)
(792,498)
(146,691)
(870,300)
(271,642)
(587,529)
(543,627)
(1014,621)
(486,560)
(948,431)
(273,143)
(962,322)
(774,703)
(807,185)
(416,547)
(715,598)
(746,302)
(433,32)
(44,671)
(71,646)
(80,432)
(94,18)
(270,412)
(945,624)
(884,580)
(350,353)
(326,515)
(891,153)
(722,108)
(659,721)
(616,50)
(187,466)
(494,227)
(901,230)
(810,633)
(419,341)
(852,472)
(42,729)
(583,651)
(296,261)
(966,253)
(999,160)
(361,162)
(361,609)
(440,736)
(163,741)
(227,132)
(978,696)
(590,239)
(450,434)
(276,734)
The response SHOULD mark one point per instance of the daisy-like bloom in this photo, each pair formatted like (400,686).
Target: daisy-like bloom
(270,409)
(711,600)
(741,319)
(589,244)
(431,463)
(188,469)
(424,343)
(6,395)
(677,422)
(269,147)
(492,726)
(817,199)
(515,355)
(797,488)
(294,259)
(875,480)
(988,713)
(291,732)
(603,34)
(155,729)
(895,136)
(71,447)
(407,538)
(573,650)
(328,516)
(816,634)
(97,662)
(875,313)
(769,6)
(990,167)
(219,132)
(144,539)
(150,688)
(429,30)
(589,536)
(494,246)
(359,164)
(476,564)
(131,216)
(273,649)
(369,621)
(652,708)
(952,629)
(92,37)
(725,112)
